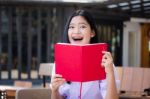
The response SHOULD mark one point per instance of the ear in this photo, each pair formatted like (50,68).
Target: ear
(92,34)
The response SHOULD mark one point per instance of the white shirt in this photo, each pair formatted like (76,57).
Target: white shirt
(90,90)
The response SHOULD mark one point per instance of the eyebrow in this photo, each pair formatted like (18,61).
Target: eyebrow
(79,23)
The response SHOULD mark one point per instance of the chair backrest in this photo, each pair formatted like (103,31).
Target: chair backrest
(126,79)
(146,78)
(119,72)
(26,84)
(34,93)
(135,79)
(45,69)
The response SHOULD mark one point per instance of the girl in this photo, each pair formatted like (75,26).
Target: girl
(81,29)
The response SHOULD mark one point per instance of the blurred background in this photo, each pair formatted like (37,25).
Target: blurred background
(30,28)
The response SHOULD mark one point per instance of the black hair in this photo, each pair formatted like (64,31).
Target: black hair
(88,17)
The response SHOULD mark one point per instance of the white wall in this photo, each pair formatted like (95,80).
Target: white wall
(131,44)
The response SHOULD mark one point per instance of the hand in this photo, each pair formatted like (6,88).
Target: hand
(57,81)
(107,62)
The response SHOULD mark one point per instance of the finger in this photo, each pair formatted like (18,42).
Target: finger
(103,63)
(108,58)
(58,80)
(107,53)
(103,60)
(58,76)
(56,85)
(106,61)
(104,56)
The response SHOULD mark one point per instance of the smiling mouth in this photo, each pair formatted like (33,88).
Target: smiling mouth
(77,39)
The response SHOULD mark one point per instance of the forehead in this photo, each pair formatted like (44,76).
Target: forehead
(78,19)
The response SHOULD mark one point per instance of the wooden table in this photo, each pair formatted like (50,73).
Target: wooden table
(8,92)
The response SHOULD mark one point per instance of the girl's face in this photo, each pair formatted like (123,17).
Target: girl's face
(79,31)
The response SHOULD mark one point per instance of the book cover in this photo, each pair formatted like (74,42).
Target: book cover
(80,63)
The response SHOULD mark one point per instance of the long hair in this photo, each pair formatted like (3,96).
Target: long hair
(88,17)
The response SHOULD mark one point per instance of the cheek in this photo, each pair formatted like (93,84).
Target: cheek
(87,37)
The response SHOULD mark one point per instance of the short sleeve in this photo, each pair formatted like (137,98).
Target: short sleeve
(64,90)
(103,87)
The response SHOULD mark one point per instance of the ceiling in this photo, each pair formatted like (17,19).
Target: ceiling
(123,8)
(115,9)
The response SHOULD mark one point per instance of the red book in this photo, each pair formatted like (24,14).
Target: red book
(80,63)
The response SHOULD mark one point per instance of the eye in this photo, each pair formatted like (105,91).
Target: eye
(83,26)
(71,27)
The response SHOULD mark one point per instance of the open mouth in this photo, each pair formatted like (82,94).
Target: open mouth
(77,39)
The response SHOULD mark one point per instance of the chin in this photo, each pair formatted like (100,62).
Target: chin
(77,43)
(80,42)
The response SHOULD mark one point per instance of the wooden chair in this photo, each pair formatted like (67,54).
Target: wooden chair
(146,78)
(120,72)
(26,84)
(137,79)
(120,75)
(126,79)
(134,81)
(34,93)
(45,69)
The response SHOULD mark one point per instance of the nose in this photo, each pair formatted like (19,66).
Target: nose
(77,30)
